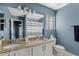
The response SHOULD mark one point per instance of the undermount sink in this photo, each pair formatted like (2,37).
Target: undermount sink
(37,42)
(12,46)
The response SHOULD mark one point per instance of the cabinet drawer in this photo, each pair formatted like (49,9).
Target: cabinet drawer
(5,54)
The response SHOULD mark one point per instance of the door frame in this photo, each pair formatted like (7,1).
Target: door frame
(12,36)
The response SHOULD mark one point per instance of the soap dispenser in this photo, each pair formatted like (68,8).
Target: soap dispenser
(51,36)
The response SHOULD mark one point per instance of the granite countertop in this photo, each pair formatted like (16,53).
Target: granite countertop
(25,44)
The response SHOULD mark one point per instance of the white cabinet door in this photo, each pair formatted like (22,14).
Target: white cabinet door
(12,53)
(38,50)
(24,52)
(49,49)
(5,54)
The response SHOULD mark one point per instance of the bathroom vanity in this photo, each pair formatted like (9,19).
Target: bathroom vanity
(30,48)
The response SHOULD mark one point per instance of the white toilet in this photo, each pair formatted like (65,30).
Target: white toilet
(59,50)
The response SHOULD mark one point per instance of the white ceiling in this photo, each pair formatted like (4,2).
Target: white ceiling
(54,6)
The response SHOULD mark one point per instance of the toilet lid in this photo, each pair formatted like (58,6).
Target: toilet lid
(59,47)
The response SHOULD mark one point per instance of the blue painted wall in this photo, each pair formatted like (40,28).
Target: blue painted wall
(39,9)
(65,19)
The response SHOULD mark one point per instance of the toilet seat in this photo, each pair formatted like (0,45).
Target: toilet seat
(59,50)
(59,47)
